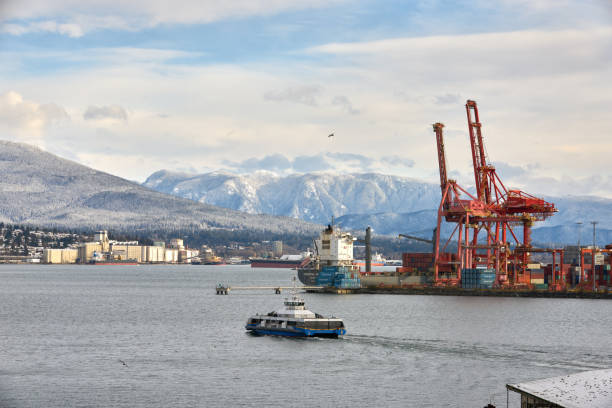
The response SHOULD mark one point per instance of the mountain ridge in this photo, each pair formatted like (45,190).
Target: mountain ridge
(43,189)
(313,197)
(390,204)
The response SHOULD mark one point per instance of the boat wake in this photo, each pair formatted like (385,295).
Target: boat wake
(547,356)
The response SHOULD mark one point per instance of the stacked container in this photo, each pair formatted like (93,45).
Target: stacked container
(417,260)
(477,278)
(326,276)
(334,275)
(347,283)
(536,275)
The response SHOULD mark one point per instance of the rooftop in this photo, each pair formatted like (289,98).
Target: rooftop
(591,389)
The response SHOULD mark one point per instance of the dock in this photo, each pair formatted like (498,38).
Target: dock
(224,290)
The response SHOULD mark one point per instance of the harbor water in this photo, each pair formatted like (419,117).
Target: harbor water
(159,336)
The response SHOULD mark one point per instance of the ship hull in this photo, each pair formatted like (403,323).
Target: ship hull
(363,263)
(295,332)
(308,276)
(274,263)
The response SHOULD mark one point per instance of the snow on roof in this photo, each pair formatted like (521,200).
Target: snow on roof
(591,389)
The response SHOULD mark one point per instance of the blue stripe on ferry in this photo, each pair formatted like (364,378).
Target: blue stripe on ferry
(300,332)
(280,333)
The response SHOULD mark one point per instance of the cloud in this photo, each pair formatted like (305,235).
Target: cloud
(345,104)
(113,112)
(274,162)
(306,164)
(305,95)
(398,161)
(480,56)
(447,99)
(26,120)
(348,156)
(70,29)
(564,185)
(509,171)
(76,18)
(330,161)
(538,91)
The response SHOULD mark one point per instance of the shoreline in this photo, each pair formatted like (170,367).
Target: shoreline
(570,294)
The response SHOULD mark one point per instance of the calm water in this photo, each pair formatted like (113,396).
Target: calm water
(63,330)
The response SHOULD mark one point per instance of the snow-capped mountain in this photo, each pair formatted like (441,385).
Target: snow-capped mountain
(39,188)
(390,204)
(312,197)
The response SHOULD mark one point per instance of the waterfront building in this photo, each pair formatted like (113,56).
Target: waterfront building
(87,250)
(277,248)
(153,254)
(60,256)
(177,243)
(171,255)
(126,252)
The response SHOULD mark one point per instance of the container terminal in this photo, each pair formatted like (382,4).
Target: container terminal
(489,251)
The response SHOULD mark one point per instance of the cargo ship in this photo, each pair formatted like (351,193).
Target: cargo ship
(377,260)
(114,262)
(332,263)
(214,260)
(285,261)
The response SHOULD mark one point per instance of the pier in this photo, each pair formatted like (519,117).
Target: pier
(224,290)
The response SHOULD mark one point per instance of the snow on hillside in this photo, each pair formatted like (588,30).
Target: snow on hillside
(313,197)
(40,188)
(390,204)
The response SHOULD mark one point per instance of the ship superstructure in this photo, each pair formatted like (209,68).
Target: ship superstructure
(332,263)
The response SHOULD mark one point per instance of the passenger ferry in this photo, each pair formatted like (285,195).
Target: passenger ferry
(295,321)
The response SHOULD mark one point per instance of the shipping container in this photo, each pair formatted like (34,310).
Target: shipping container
(477,278)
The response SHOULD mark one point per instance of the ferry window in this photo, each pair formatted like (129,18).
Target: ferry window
(289,323)
(326,244)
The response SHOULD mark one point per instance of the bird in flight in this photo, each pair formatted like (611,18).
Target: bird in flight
(123,362)
(330,135)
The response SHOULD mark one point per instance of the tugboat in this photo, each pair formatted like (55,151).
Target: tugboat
(295,321)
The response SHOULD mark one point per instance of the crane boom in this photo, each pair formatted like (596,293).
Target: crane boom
(479,159)
(441,155)
(429,241)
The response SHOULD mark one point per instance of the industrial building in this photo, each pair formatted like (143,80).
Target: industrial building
(60,256)
(104,250)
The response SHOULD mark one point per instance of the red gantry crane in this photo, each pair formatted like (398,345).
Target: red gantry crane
(493,212)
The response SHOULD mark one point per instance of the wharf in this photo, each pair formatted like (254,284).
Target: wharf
(431,291)
(224,290)
(569,294)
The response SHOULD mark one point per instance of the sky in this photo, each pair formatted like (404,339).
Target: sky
(246,85)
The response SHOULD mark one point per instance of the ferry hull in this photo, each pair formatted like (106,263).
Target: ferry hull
(297,332)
